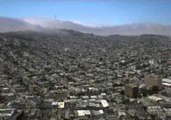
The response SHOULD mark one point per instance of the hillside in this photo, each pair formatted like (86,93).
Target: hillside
(32,50)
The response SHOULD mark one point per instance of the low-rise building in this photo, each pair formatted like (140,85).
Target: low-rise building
(131,90)
(153,81)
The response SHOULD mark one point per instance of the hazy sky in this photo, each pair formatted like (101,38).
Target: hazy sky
(91,12)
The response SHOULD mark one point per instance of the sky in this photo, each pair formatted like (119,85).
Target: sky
(91,12)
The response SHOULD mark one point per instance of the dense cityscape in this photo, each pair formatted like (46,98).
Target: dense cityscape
(75,76)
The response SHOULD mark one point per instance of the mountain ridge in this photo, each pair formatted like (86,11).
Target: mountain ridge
(53,25)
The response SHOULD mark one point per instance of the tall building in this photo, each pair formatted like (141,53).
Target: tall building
(131,90)
(153,81)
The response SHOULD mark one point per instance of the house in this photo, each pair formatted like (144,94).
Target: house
(104,103)
(61,105)
(155,98)
(166,82)
(7,113)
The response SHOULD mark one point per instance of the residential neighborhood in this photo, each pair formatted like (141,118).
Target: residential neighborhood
(84,77)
